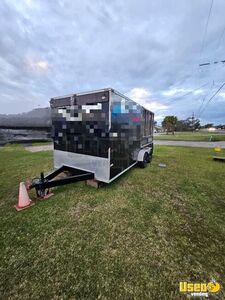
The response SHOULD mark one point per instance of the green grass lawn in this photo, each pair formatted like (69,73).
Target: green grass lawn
(191,136)
(133,239)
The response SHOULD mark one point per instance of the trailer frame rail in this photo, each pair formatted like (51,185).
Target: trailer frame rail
(69,175)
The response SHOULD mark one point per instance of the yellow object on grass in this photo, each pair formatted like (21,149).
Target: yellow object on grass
(217,149)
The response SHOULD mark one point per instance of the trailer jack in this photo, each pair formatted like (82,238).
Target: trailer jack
(42,185)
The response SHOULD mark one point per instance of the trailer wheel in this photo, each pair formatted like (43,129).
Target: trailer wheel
(150,155)
(149,159)
(143,164)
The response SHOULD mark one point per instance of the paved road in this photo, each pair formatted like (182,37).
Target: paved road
(191,144)
(166,143)
(39,148)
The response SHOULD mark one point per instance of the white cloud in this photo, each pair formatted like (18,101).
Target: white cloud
(198,92)
(159,118)
(222,94)
(174,91)
(155,105)
(180,92)
(142,96)
(28,2)
(152,64)
(138,94)
(37,65)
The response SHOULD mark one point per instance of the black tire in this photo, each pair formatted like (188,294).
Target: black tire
(149,159)
(143,164)
(150,155)
(151,152)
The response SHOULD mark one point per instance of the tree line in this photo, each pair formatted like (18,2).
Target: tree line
(171,124)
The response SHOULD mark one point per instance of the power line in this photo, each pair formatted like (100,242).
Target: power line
(220,38)
(210,99)
(191,92)
(204,98)
(204,38)
(217,47)
(215,62)
(206,29)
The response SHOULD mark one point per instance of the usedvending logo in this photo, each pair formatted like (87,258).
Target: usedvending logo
(199,289)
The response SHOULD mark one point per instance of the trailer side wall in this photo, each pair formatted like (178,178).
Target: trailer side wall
(125,133)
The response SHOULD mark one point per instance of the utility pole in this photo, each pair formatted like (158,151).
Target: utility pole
(192,121)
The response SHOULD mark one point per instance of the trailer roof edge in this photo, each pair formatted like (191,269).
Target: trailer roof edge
(98,91)
(83,93)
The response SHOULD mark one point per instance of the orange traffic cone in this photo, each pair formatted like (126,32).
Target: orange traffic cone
(24,200)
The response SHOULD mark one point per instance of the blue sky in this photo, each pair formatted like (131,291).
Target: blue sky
(148,50)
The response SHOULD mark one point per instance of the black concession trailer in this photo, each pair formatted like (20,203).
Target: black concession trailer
(97,135)
(102,132)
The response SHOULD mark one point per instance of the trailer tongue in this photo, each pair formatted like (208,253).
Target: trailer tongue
(42,185)
(61,176)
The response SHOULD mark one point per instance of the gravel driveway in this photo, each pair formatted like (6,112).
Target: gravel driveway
(39,148)
(191,144)
(165,143)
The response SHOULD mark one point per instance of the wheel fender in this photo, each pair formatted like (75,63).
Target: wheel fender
(142,152)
